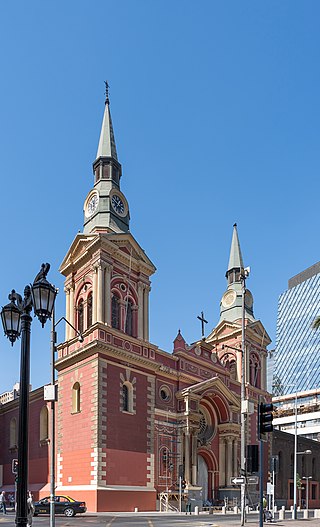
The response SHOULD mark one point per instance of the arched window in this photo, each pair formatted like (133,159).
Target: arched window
(115,312)
(254,372)
(89,310)
(76,398)
(233,370)
(80,316)
(129,324)
(13,433)
(44,424)
(127,397)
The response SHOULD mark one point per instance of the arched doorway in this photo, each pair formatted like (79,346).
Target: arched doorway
(202,477)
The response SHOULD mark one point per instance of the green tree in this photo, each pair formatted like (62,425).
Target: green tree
(299,481)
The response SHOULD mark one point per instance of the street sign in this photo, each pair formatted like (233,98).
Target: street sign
(270,488)
(253,480)
(238,481)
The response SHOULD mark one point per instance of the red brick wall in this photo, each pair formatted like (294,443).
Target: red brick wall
(75,430)
(126,445)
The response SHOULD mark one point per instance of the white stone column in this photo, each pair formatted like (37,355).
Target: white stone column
(72,309)
(140,310)
(235,457)
(146,313)
(67,292)
(107,294)
(94,295)
(247,363)
(222,462)
(229,460)
(187,457)
(100,292)
(263,371)
(194,459)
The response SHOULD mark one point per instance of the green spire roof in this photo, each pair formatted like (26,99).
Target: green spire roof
(107,144)
(235,259)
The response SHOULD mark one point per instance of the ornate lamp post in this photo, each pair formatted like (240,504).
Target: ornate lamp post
(16,320)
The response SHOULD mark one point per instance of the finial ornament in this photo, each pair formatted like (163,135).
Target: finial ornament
(107,91)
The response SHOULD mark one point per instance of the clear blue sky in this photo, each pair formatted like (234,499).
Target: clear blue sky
(215,107)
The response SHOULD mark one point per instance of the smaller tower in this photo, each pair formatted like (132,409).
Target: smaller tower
(231,302)
(106,208)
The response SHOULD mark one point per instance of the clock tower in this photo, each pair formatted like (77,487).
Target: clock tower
(106,208)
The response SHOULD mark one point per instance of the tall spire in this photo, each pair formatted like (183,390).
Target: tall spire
(231,302)
(107,144)
(106,208)
(235,259)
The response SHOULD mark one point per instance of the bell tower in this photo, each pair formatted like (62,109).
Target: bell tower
(107,272)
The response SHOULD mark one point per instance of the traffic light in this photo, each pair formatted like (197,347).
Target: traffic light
(183,484)
(14,466)
(252,458)
(265,418)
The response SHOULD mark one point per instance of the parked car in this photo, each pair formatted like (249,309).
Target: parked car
(62,505)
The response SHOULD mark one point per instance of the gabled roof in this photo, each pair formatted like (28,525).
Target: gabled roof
(216,383)
(83,246)
(254,330)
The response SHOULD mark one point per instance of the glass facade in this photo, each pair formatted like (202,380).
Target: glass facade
(297,353)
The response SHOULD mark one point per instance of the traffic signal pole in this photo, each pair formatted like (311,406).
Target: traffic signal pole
(265,426)
(261,458)
(243,423)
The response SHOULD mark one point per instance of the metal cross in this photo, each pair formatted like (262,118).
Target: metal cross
(203,322)
(107,90)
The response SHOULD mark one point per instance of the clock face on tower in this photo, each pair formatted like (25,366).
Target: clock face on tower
(229,298)
(92,204)
(118,204)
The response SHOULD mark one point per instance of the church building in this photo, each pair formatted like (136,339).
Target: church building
(131,418)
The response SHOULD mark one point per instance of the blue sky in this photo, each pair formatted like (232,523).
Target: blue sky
(215,107)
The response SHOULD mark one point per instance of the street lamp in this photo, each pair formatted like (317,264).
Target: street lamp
(307,496)
(16,321)
(243,424)
(52,399)
(296,454)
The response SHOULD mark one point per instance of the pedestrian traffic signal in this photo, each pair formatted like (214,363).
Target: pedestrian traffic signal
(183,484)
(265,417)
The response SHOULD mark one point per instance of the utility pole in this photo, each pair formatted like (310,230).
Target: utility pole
(244,275)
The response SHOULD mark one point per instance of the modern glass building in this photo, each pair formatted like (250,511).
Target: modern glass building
(297,353)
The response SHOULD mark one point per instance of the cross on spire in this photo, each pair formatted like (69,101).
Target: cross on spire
(107,91)
(203,322)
